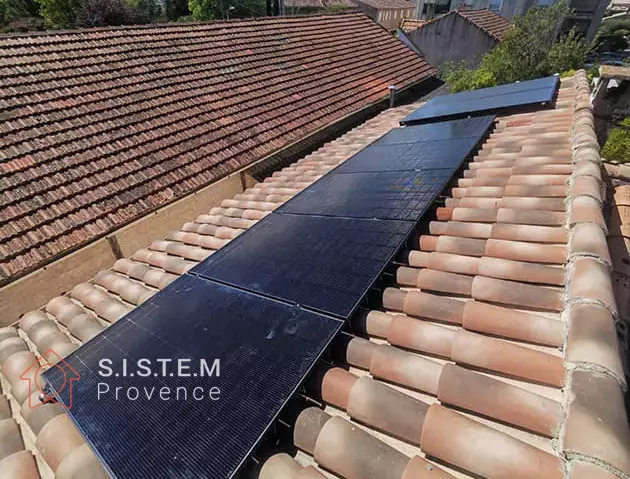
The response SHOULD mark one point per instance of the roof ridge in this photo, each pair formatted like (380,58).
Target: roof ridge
(168,25)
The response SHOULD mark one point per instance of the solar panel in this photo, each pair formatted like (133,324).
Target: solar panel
(549,83)
(327,264)
(399,195)
(484,101)
(444,130)
(265,349)
(447,154)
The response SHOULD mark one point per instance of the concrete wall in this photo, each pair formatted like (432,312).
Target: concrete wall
(34,290)
(451,38)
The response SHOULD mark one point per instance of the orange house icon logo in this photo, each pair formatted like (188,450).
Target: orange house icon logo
(33,374)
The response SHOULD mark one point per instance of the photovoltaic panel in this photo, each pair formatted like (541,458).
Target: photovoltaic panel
(447,154)
(487,100)
(323,263)
(264,348)
(444,130)
(399,195)
(550,83)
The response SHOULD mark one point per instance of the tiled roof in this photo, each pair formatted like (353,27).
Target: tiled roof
(495,355)
(387,4)
(491,23)
(99,127)
(319,3)
(410,24)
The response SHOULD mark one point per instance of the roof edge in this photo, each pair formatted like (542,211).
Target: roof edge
(166,25)
(595,381)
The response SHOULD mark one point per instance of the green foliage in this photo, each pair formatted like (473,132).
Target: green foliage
(202,9)
(222,9)
(569,52)
(14,10)
(613,35)
(59,13)
(617,147)
(530,49)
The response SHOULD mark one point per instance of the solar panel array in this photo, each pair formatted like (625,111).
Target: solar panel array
(266,306)
(486,100)
(325,248)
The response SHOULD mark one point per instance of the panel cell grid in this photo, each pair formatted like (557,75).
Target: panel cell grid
(264,348)
(445,154)
(323,263)
(400,195)
(444,130)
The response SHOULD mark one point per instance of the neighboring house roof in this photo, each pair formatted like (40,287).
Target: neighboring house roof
(99,127)
(499,337)
(491,23)
(387,4)
(410,24)
(319,3)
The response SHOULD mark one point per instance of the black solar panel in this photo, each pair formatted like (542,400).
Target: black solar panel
(445,154)
(399,195)
(444,130)
(323,263)
(485,100)
(265,349)
(549,83)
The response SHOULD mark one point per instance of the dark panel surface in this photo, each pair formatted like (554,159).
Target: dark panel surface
(265,349)
(400,195)
(447,154)
(486,100)
(549,83)
(444,130)
(323,263)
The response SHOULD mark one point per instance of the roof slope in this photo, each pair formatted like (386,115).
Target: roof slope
(410,24)
(101,126)
(387,4)
(491,23)
(495,355)
(319,3)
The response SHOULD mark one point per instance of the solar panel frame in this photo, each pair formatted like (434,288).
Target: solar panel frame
(259,341)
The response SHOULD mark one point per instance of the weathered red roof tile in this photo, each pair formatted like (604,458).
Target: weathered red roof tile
(76,167)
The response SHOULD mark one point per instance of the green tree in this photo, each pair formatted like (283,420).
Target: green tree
(530,49)
(202,9)
(60,13)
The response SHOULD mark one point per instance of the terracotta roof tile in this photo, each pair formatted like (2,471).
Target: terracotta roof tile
(101,127)
(495,25)
(477,365)
(410,24)
(387,4)
(491,23)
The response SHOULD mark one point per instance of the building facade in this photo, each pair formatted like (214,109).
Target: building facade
(387,13)
(586,15)
(458,35)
